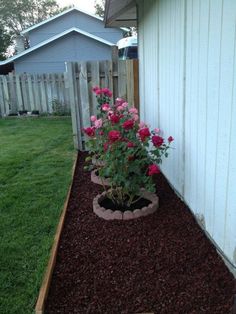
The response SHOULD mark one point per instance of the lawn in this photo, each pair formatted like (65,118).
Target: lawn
(36,157)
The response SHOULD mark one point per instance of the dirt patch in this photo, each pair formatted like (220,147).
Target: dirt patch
(162,263)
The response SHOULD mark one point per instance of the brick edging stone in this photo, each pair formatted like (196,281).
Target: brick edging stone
(109,214)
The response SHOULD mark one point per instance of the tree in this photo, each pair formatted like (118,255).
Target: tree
(99,8)
(20,14)
(5,41)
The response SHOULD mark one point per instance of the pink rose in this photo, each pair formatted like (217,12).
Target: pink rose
(144,133)
(114,119)
(120,108)
(119,101)
(95,88)
(156,130)
(170,139)
(135,117)
(105,146)
(130,145)
(142,125)
(133,110)
(128,125)
(125,104)
(106,107)
(98,92)
(89,131)
(114,136)
(153,169)
(106,92)
(93,118)
(98,123)
(157,140)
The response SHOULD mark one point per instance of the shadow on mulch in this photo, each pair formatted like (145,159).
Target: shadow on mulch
(162,263)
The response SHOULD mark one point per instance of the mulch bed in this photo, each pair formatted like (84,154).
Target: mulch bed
(162,263)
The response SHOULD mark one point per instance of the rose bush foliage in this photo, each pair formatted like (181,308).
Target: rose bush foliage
(130,150)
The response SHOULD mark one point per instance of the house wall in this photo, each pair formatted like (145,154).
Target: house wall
(188,87)
(52,57)
(74,19)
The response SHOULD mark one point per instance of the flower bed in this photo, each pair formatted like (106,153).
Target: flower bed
(162,263)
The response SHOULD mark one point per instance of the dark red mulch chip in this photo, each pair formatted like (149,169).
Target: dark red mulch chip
(162,263)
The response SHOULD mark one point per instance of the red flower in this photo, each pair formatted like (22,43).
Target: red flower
(106,92)
(153,169)
(143,133)
(170,139)
(157,140)
(105,146)
(89,131)
(130,144)
(95,88)
(114,135)
(128,125)
(114,119)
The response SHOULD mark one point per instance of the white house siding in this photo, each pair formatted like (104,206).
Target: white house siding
(194,40)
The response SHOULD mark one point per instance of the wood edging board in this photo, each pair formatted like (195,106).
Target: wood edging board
(43,292)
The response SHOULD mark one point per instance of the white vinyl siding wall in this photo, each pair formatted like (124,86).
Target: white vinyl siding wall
(188,89)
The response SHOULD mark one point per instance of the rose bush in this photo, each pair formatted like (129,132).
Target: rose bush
(130,150)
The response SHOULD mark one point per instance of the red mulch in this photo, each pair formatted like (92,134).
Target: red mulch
(162,263)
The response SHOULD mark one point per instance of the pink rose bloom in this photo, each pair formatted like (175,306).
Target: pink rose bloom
(135,117)
(170,139)
(119,101)
(153,169)
(98,123)
(114,119)
(142,125)
(133,110)
(156,130)
(125,104)
(105,146)
(157,140)
(106,92)
(95,88)
(106,107)
(120,108)
(128,125)
(144,133)
(130,144)
(114,136)
(89,131)
(93,118)
(98,92)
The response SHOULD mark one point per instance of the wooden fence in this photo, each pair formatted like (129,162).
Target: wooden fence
(32,92)
(71,90)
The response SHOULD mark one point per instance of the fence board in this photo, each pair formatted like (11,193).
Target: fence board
(31,93)
(6,94)
(18,93)
(84,98)
(2,104)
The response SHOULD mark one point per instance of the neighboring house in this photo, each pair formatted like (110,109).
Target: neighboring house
(187,52)
(72,35)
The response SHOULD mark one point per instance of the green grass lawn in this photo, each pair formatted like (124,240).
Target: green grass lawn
(36,157)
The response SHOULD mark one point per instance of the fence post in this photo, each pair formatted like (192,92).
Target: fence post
(136,83)
(2,104)
(6,94)
(18,93)
(70,84)
(84,97)
(122,79)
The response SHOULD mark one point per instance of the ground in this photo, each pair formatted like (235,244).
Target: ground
(36,157)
